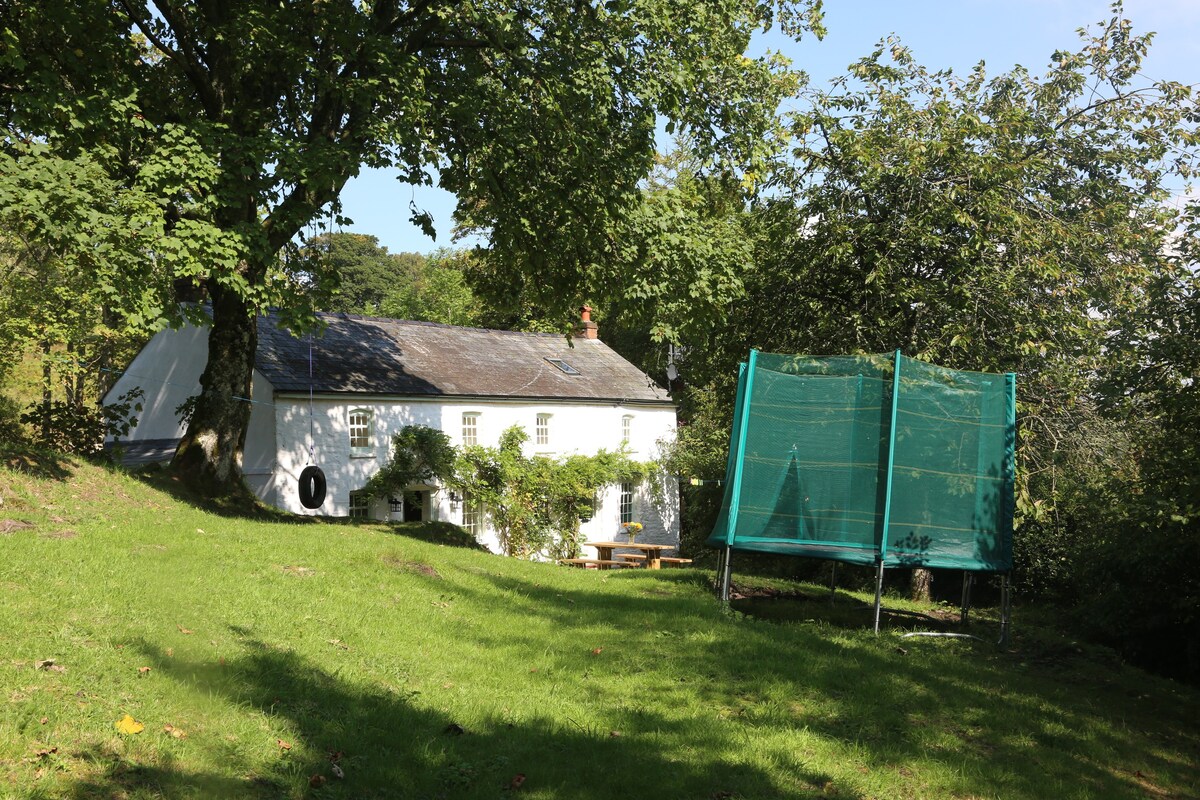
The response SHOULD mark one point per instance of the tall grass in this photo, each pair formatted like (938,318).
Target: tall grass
(259,655)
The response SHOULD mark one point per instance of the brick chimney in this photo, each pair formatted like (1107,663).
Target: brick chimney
(590,329)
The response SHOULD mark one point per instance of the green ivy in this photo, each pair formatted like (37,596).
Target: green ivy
(535,503)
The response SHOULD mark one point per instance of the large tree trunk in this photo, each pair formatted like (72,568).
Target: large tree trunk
(210,456)
(922,582)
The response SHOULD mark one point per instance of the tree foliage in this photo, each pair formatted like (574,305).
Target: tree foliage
(420,456)
(361,272)
(437,290)
(241,122)
(535,503)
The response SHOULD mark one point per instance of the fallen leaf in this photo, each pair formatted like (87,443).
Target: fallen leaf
(143,670)
(45,720)
(614,734)
(454,729)
(597,651)
(129,725)
(199,530)
(283,745)
(901,651)
(46,752)
(44,664)
(338,771)
(170,651)
(335,755)
(184,630)
(171,730)
(316,781)
(517,782)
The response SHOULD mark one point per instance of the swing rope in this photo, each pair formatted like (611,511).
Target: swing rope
(311,438)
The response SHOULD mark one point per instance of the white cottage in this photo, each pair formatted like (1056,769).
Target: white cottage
(341,394)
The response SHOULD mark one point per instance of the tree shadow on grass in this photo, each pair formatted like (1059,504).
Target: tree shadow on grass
(36,462)
(391,743)
(960,707)
(842,611)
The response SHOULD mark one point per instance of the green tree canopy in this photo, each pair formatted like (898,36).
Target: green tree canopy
(362,271)
(540,116)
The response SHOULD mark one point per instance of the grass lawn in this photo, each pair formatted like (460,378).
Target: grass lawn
(259,658)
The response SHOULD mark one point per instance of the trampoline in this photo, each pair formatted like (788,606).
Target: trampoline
(877,460)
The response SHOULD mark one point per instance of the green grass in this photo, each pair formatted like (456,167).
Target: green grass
(438,671)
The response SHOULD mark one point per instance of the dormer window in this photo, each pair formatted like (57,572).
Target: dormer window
(361,432)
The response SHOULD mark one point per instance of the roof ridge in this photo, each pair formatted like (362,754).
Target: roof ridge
(343,315)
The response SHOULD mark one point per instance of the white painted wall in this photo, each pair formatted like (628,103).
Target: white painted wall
(277,443)
(575,428)
(168,371)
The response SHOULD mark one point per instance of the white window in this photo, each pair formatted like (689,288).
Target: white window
(626,428)
(473,516)
(626,503)
(470,428)
(358,505)
(543,429)
(361,433)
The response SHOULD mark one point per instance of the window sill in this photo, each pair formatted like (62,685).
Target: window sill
(362,454)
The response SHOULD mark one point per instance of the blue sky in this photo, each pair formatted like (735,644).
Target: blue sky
(942,33)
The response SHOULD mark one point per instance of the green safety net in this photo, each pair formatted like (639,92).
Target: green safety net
(871,458)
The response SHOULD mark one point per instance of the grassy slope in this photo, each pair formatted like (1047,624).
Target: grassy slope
(353,639)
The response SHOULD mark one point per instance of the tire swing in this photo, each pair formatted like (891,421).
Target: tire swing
(312,487)
(312,478)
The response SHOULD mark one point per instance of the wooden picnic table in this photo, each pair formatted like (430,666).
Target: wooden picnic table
(604,551)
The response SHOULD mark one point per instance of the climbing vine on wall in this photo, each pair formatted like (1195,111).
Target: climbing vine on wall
(534,503)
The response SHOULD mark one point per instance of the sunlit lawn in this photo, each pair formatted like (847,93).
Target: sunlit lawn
(262,658)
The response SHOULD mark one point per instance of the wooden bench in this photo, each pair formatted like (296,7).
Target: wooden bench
(640,557)
(598,563)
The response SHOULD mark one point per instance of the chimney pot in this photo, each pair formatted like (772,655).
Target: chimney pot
(590,329)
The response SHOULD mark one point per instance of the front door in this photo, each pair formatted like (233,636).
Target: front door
(415,504)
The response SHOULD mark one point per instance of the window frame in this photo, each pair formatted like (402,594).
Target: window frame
(473,418)
(541,429)
(625,502)
(626,428)
(365,428)
(360,505)
(474,515)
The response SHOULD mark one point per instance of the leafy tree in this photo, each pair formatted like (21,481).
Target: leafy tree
(420,455)
(364,271)
(436,291)
(539,115)
(1000,224)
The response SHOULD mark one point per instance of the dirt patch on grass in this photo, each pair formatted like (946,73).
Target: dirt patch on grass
(418,567)
(63,534)
(11,526)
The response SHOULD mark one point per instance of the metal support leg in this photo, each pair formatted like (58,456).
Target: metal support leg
(968,582)
(832,582)
(1005,610)
(727,576)
(878,594)
(720,572)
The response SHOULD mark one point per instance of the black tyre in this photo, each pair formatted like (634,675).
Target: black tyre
(312,487)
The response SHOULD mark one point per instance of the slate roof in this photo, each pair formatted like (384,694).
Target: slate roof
(369,355)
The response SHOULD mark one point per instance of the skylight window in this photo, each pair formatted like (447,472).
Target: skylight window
(564,366)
